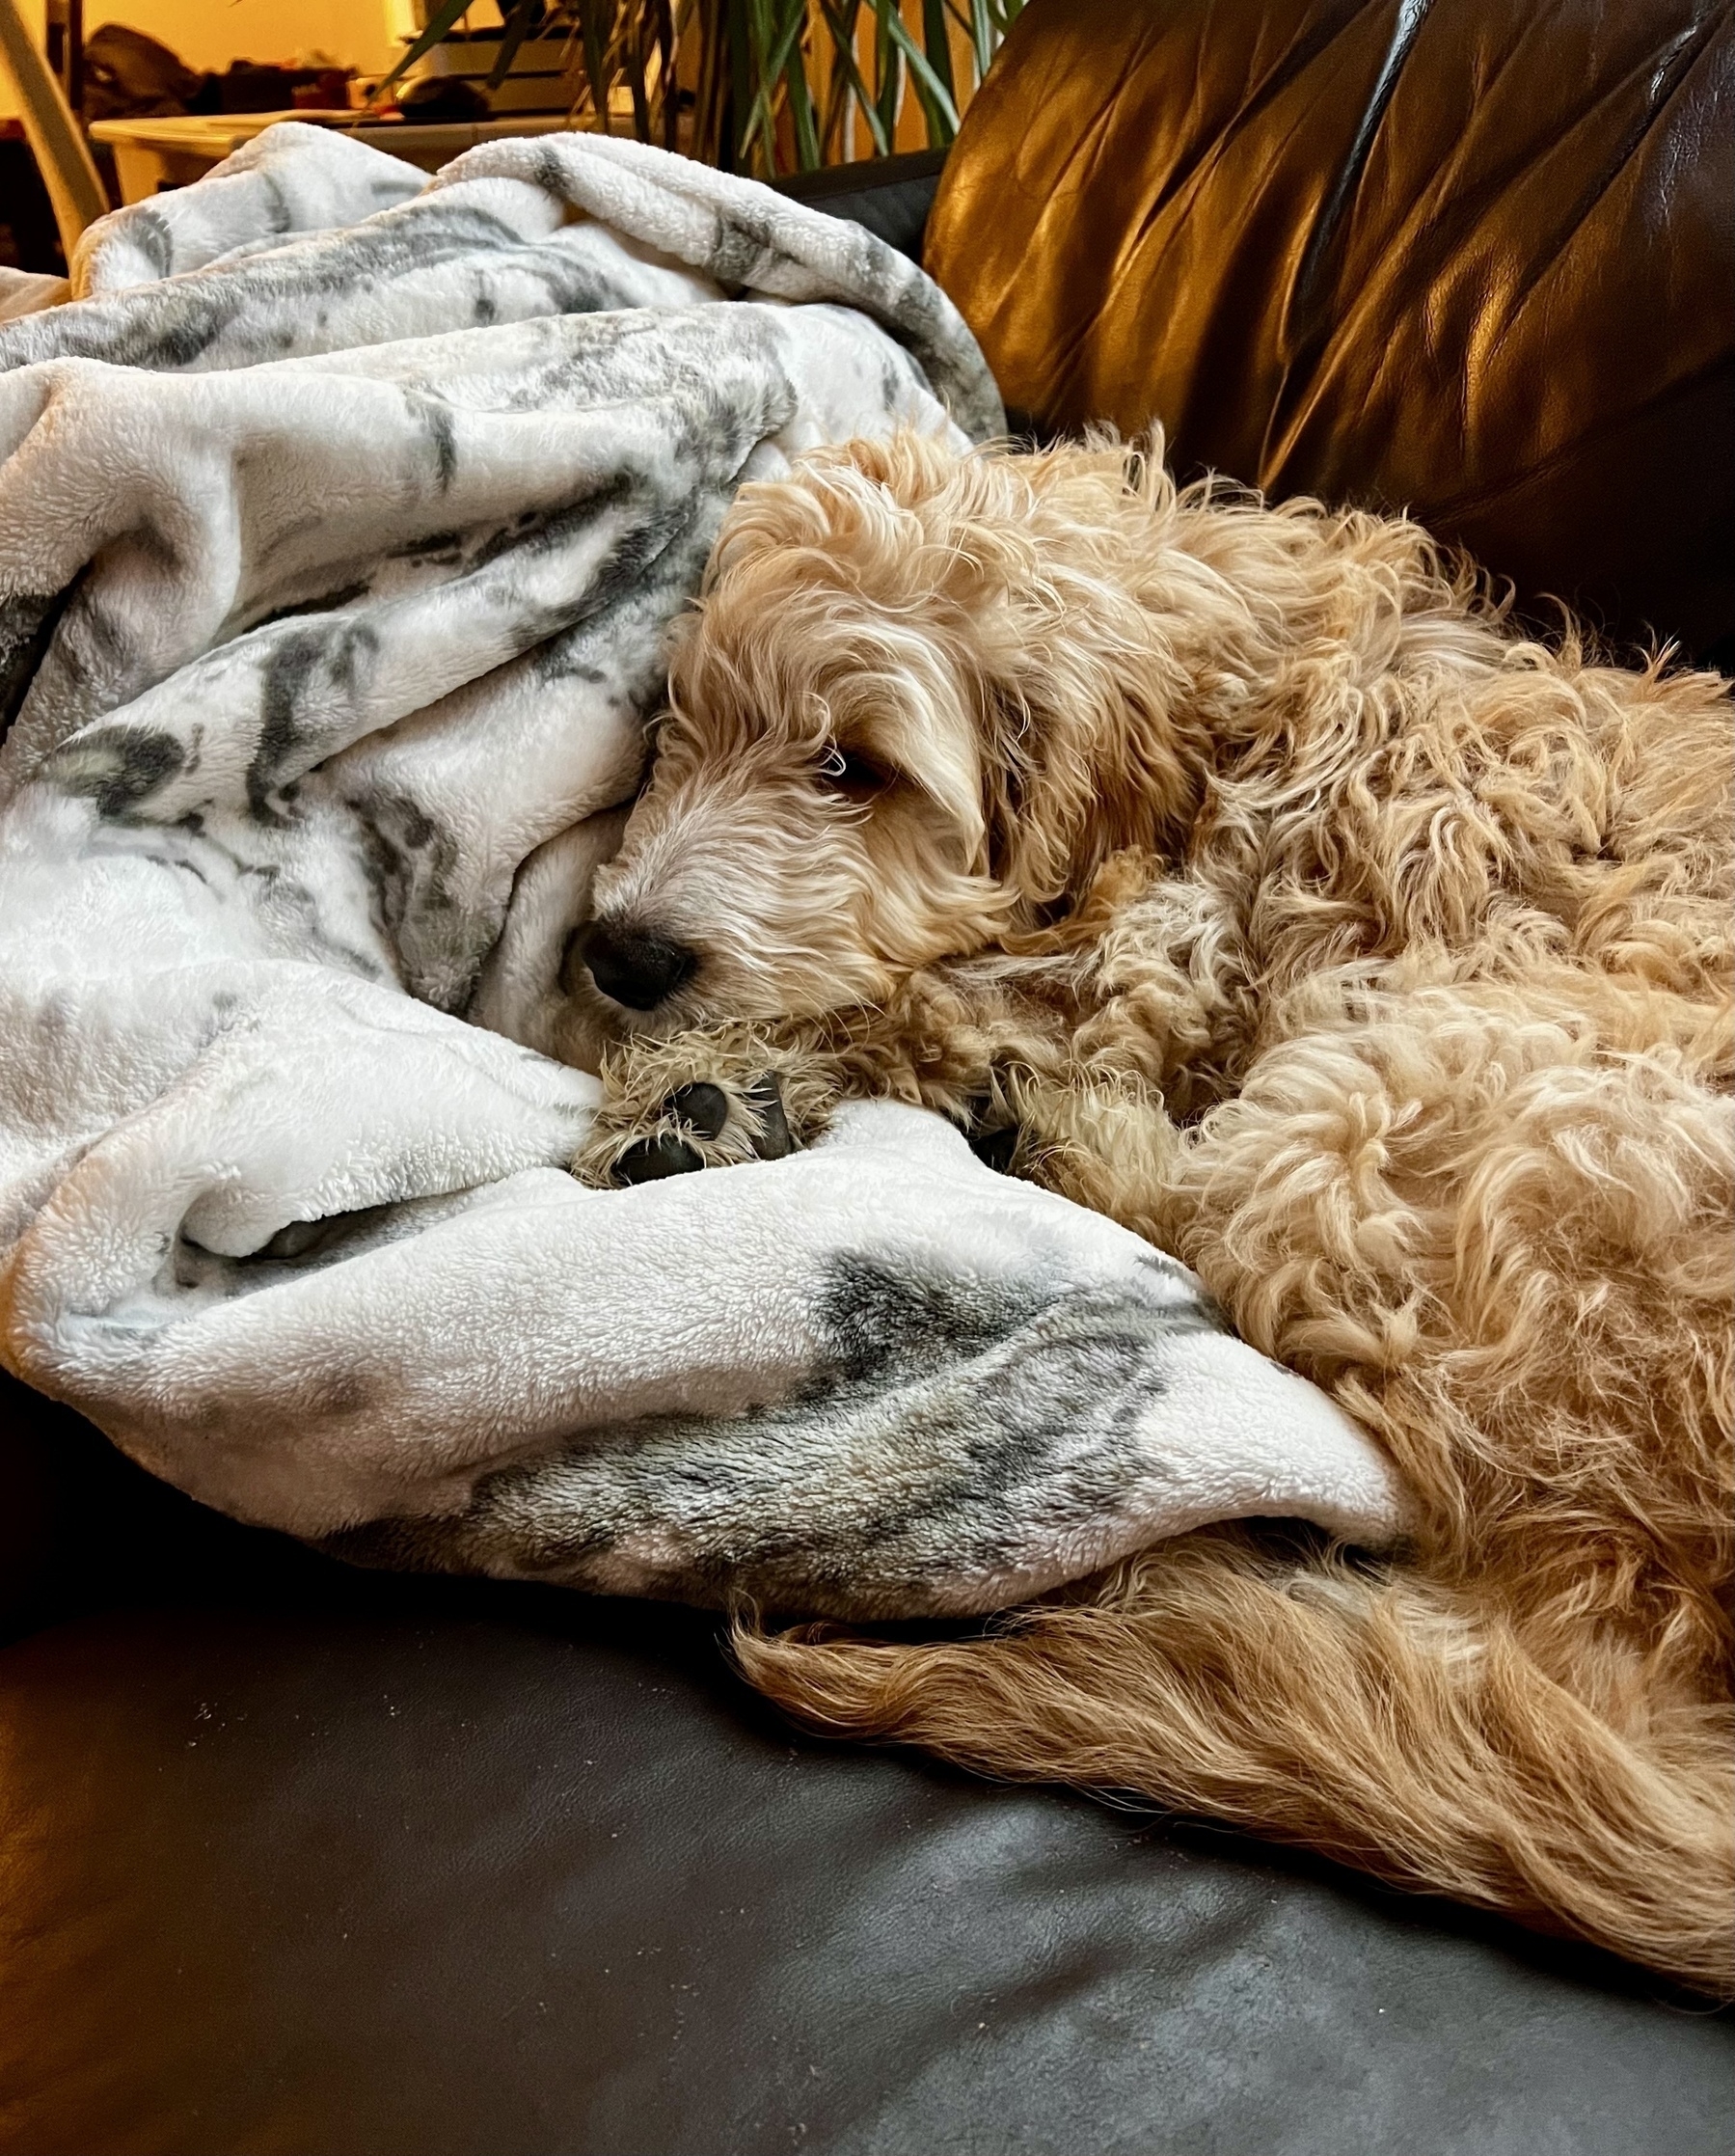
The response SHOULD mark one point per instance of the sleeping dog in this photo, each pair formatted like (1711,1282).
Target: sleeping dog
(1240,870)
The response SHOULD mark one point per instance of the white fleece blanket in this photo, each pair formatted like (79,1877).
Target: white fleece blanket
(341,515)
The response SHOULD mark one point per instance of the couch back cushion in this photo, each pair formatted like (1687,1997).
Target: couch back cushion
(1471,258)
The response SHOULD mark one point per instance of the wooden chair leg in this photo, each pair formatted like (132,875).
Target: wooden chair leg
(69,170)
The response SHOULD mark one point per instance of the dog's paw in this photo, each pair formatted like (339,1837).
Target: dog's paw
(701,1101)
(699,1117)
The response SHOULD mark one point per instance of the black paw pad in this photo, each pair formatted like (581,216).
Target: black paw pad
(704,1109)
(653,1159)
(701,1111)
(765,1098)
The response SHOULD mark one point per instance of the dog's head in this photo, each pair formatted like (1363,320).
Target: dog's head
(914,709)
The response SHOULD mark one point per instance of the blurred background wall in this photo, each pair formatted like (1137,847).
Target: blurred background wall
(208,34)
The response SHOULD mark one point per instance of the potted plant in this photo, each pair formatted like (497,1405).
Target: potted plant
(756,86)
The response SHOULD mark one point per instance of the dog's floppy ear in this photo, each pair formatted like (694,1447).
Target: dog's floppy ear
(902,527)
(1080,762)
(972,620)
(1039,795)
(950,548)
(1078,686)
(932,743)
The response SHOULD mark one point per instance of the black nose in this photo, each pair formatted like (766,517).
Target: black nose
(635,970)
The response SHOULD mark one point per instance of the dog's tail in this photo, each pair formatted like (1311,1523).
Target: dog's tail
(1369,1716)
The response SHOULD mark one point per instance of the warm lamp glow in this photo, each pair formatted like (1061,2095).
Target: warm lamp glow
(208,34)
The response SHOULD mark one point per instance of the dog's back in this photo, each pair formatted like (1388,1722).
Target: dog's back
(1373,959)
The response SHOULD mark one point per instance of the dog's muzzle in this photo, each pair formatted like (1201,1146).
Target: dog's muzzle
(635,969)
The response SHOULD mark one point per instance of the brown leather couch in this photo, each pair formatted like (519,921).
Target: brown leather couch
(324,1863)
(1468,258)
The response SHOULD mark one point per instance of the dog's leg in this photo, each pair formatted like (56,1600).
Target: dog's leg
(707,1099)
(718,1097)
(1089,1042)
(1100,1139)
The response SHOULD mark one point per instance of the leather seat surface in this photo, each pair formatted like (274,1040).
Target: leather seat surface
(892,203)
(1473,258)
(305,1862)
(524,1879)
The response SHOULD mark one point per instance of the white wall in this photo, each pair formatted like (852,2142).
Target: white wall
(211,33)
(32,11)
(359,33)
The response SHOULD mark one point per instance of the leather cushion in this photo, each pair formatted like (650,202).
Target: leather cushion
(413,1867)
(1475,258)
(891,196)
(304,1859)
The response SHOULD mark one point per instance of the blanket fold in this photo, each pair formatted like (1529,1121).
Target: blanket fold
(341,521)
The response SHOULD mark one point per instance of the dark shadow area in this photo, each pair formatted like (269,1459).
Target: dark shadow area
(87,1532)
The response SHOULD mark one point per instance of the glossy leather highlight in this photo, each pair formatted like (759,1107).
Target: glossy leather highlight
(1471,258)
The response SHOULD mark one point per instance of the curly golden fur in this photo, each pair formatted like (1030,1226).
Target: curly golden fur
(1272,895)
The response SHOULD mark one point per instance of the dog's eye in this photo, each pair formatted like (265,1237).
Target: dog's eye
(856,777)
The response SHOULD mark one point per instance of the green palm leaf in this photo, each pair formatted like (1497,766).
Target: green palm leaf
(843,40)
(935,99)
(517,27)
(440,25)
(758,65)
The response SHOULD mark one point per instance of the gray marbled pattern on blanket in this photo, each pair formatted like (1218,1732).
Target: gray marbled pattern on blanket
(454,259)
(290,178)
(946,1432)
(324,685)
(557,225)
(460,557)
